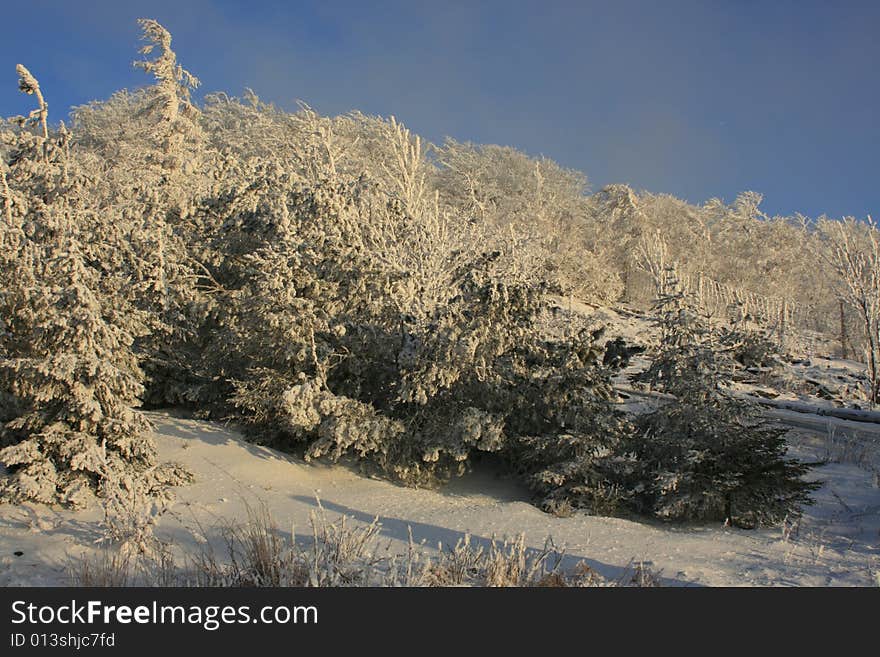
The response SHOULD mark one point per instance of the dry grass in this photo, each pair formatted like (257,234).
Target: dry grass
(105,568)
(339,553)
(855,449)
(254,554)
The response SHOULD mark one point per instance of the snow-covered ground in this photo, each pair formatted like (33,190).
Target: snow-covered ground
(837,542)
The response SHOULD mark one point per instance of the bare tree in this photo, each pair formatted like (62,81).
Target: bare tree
(653,257)
(853,250)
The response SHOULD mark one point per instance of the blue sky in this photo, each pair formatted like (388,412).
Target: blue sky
(698,99)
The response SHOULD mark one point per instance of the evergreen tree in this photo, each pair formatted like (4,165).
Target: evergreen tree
(706,455)
(748,344)
(568,431)
(69,378)
(76,385)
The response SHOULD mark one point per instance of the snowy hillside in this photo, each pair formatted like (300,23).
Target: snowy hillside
(211,305)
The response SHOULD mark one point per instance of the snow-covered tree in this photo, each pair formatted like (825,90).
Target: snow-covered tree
(345,288)
(75,385)
(853,250)
(706,455)
(69,378)
(540,203)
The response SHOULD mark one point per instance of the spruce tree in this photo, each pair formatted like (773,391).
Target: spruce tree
(69,378)
(76,385)
(568,429)
(707,455)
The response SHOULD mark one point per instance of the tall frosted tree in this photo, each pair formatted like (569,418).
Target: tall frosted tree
(70,381)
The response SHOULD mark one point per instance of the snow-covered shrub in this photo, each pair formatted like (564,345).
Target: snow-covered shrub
(687,363)
(717,459)
(75,382)
(568,429)
(346,352)
(351,318)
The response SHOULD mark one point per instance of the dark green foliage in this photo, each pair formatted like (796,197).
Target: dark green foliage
(618,354)
(687,364)
(749,347)
(706,455)
(566,426)
(715,459)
